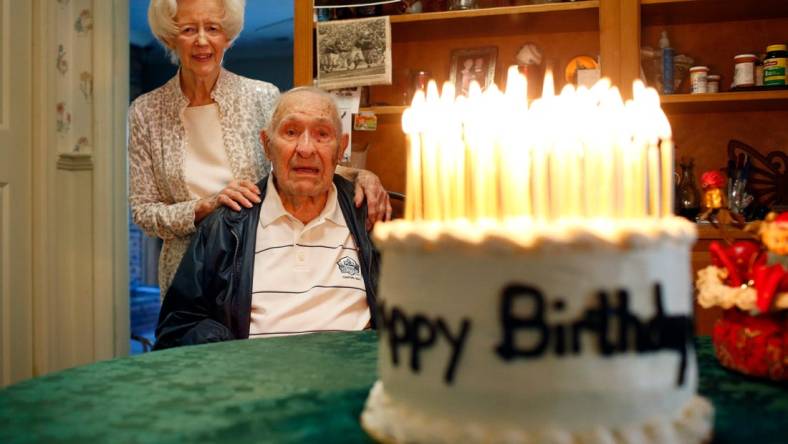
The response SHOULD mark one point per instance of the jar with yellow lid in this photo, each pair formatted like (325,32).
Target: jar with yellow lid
(774,65)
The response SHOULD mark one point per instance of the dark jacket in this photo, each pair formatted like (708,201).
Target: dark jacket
(210,298)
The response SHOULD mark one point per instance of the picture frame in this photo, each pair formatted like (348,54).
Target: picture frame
(469,64)
(353,53)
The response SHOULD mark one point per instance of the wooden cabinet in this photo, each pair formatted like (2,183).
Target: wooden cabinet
(710,31)
(713,32)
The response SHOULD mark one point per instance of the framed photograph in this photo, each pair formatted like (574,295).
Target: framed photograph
(354,53)
(476,64)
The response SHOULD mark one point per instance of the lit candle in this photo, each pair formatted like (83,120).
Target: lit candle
(411,119)
(653,184)
(581,154)
(666,154)
(540,185)
(448,132)
(515,136)
(430,159)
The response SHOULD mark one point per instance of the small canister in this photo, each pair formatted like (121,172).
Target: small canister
(744,70)
(713,83)
(699,77)
(774,65)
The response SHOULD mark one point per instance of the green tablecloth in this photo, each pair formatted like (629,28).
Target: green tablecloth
(295,389)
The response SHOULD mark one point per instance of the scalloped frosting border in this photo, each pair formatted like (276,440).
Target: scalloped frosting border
(388,422)
(525,236)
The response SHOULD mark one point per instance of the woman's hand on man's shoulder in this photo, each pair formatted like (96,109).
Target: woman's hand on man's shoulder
(236,194)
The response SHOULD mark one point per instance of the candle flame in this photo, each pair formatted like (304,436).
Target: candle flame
(583,154)
(548,88)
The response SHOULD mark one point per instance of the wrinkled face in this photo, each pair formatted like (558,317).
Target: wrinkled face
(305,145)
(775,237)
(201,40)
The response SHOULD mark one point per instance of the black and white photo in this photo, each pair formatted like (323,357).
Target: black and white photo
(472,65)
(354,53)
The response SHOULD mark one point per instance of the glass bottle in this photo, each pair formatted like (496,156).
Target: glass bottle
(688,195)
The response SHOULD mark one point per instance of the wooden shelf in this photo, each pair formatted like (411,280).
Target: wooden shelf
(707,232)
(551,17)
(583,10)
(669,12)
(726,102)
(380,110)
(498,11)
(683,103)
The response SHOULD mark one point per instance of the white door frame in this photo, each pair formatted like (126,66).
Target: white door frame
(111,254)
(105,274)
(16,276)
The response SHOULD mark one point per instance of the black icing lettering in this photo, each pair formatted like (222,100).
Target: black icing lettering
(598,322)
(420,324)
(560,339)
(398,336)
(457,346)
(512,324)
(577,328)
(421,333)
(671,332)
(630,328)
(661,332)
(559,330)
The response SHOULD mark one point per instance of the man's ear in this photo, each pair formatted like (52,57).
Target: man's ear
(343,141)
(265,141)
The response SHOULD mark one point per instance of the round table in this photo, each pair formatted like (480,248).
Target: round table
(307,388)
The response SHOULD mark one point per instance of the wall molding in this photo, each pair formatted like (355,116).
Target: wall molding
(75,162)
(111,232)
(5,288)
(45,331)
(16,233)
(5,63)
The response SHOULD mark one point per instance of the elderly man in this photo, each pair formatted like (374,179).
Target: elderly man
(299,261)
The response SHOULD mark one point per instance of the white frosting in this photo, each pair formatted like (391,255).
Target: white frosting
(531,236)
(712,292)
(387,421)
(457,273)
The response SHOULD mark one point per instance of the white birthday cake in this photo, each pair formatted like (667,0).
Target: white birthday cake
(557,321)
(568,335)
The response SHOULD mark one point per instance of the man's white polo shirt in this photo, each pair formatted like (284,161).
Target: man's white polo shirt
(306,278)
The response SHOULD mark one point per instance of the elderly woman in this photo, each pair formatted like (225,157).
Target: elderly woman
(194,142)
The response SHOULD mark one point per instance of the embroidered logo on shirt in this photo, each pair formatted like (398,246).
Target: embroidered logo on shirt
(349,268)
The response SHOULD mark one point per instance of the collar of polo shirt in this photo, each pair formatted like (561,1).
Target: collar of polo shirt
(273,208)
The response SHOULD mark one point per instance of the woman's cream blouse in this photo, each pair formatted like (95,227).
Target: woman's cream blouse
(160,201)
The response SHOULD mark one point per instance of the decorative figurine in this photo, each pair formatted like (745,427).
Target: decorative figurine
(772,276)
(529,63)
(715,206)
(749,281)
(739,260)
(528,54)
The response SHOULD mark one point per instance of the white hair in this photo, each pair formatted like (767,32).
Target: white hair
(161,18)
(323,94)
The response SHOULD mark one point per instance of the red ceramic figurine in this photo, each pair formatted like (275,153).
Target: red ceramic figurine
(750,282)
(772,276)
